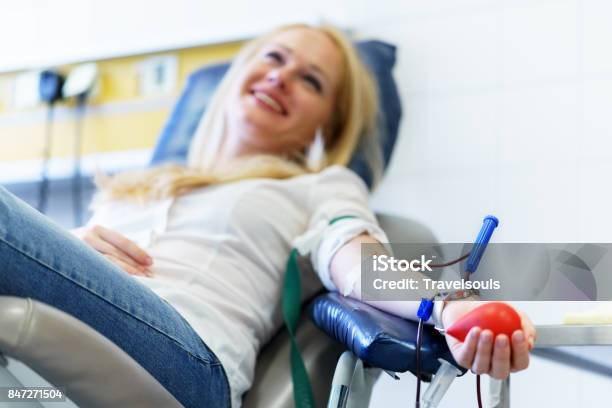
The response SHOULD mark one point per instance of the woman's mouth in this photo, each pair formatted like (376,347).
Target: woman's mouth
(269,102)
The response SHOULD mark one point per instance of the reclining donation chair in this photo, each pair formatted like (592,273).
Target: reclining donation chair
(96,373)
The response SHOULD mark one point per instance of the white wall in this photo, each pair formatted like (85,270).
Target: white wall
(41,33)
(506,112)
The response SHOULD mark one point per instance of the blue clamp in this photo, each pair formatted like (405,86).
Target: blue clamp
(425,309)
(488,225)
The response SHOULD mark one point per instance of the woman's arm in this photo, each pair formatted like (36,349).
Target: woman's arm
(348,258)
(479,352)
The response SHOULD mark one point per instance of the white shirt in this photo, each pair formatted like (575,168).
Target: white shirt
(220,253)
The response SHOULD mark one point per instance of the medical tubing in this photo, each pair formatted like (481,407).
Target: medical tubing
(417,403)
(444,265)
(478,394)
(488,225)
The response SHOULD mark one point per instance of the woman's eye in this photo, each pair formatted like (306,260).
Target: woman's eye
(275,55)
(314,82)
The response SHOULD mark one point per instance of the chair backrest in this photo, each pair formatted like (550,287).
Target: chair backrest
(178,131)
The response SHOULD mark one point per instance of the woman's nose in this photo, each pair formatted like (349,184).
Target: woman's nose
(276,77)
(280,76)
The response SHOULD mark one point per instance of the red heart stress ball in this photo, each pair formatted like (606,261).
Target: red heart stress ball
(498,317)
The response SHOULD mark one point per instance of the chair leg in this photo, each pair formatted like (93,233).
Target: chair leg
(352,384)
(341,384)
(499,392)
(362,385)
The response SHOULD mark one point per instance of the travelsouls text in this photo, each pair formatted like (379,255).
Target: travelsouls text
(430,284)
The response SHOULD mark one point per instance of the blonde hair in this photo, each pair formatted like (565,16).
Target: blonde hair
(353,120)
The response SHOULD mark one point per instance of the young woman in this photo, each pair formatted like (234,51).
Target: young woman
(182,267)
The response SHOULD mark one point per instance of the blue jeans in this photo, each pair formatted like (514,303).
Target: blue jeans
(42,261)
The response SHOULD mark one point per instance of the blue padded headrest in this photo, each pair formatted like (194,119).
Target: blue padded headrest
(176,135)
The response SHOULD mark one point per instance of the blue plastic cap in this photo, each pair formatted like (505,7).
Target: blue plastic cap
(425,309)
(492,218)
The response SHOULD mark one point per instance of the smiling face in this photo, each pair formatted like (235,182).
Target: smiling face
(284,93)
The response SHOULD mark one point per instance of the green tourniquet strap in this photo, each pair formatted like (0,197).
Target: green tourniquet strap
(292,305)
(292,295)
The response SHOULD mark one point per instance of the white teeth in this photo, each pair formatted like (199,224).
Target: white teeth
(269,101)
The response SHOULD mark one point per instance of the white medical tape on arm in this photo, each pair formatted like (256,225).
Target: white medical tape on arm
(352,278)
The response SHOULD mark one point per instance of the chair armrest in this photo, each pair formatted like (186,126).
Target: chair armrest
(378,338)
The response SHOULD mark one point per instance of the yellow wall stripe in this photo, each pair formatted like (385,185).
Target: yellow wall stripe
(118,117)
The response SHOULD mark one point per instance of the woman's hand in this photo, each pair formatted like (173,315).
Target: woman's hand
(117,248)
(483,354)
